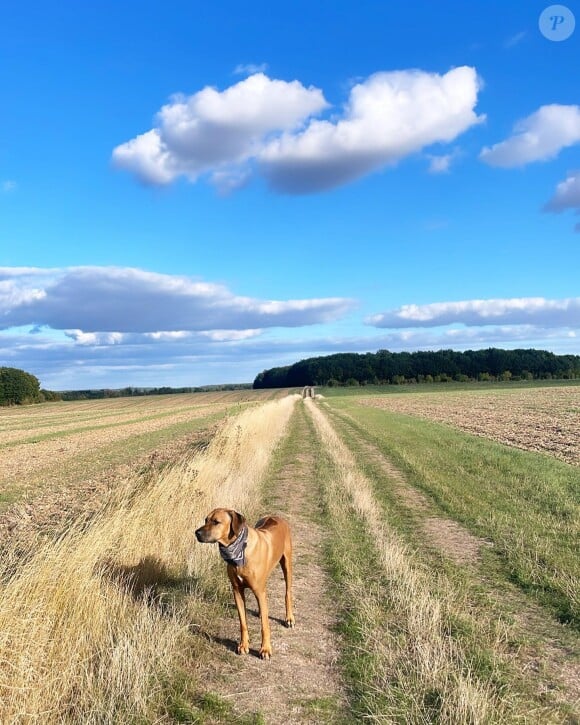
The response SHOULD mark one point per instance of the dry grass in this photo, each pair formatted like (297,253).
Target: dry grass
(414,671)
(80,639)
(537,419)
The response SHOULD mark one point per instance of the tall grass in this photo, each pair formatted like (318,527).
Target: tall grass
(410,668)
(81,639)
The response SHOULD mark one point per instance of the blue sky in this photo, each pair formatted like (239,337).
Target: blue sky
(191,193)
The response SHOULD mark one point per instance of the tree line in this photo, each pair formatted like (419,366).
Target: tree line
(100,393)
(18,387)
(384,367)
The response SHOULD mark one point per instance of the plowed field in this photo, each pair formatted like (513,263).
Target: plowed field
(537,419)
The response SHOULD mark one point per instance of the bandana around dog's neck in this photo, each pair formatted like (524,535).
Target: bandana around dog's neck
(235,553)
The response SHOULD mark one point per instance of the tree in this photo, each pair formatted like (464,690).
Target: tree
(18,387)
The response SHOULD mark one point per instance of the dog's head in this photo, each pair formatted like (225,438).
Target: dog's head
(221,526)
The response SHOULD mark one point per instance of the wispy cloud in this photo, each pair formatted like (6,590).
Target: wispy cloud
(250,68)
(515,39)
(539,137)
(8,185)
(441,164)
(267,126)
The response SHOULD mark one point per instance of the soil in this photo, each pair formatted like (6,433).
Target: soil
(542,419)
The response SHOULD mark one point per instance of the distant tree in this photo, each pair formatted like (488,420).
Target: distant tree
(18,387)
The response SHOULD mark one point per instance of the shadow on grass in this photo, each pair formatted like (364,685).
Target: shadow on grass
(143,580)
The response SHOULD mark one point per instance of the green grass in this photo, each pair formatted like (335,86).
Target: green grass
(380,642)
(473,618)
(527,503)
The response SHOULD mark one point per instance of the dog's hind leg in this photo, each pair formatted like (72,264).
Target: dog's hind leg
(286,566)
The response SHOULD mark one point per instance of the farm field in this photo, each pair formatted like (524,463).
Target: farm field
(537,419)
(435,570)
(57,458)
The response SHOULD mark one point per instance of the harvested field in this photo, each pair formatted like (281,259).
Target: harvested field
(33,437)
(537,419)
(85,445)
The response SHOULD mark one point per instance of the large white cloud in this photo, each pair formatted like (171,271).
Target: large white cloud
(539,137)
(212,128)
(517,311)
(268,124)
(127,300)
(387,117)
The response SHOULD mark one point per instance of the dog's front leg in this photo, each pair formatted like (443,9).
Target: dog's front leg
(240,599)
(266,648)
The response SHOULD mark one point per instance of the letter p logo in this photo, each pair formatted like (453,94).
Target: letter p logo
(557,22)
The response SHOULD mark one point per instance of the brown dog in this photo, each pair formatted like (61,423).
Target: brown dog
(251,554)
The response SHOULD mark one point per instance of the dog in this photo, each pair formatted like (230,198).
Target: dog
(251,554)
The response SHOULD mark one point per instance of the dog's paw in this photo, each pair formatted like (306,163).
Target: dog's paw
(290,622)
(265,652)
(243,648)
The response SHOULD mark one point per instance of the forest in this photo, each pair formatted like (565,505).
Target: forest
(384,367)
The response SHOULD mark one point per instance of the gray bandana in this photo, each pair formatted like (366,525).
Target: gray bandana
(235,553)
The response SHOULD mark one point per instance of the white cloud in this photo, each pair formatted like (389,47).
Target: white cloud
(539,137)
(442,164)
(8,185)
(387,117)
(127,300)
(567,195)
(518,311)
(212,129)
(267,125)
(250,68)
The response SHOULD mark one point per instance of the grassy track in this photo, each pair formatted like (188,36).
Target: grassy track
(420,645)
(528,504)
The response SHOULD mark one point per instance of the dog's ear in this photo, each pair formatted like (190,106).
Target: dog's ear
(236,524)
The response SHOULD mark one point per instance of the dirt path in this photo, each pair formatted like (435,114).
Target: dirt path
(300,684)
